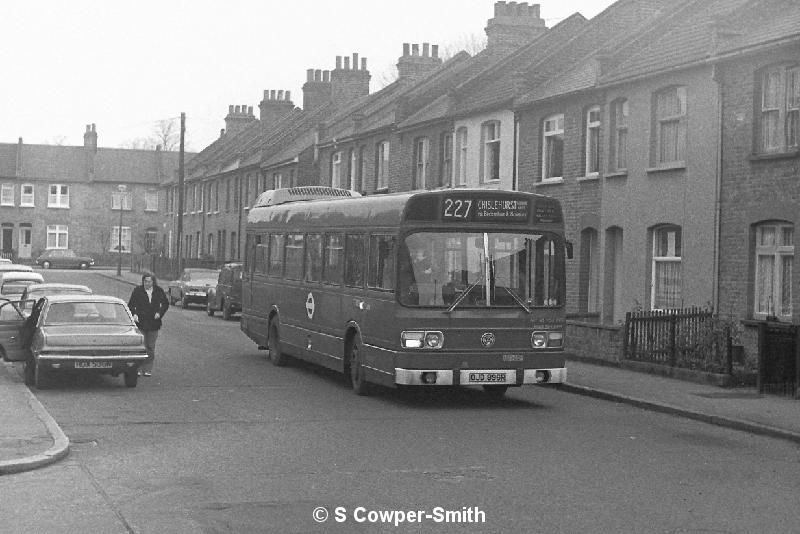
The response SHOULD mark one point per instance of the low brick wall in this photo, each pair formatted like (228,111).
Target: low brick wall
(594,341)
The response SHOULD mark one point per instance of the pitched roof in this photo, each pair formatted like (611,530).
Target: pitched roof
(767,21)
(686,38)
(576,64)
(70,163)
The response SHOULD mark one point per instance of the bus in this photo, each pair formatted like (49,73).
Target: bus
(456,287)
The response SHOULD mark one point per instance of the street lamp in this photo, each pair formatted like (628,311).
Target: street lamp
(122,188)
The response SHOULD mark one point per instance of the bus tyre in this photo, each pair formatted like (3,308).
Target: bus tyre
(276,355)
(209,307)
(495,392)
(355,367)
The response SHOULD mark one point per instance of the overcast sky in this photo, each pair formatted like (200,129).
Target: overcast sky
(126,65)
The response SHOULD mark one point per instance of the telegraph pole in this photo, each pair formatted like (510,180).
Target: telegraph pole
(179,237)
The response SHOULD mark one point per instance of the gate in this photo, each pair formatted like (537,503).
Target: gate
(778,356)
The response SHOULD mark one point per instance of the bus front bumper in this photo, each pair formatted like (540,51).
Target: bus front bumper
(482,377)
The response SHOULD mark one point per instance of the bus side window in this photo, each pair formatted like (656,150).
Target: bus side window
(260,259)
(313,263)
(381,262)
(275,266)
(333,261)
(294,256)
(354,265)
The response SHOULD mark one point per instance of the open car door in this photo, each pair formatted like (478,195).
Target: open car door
(11,322)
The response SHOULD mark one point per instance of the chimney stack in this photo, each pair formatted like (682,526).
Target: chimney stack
(275,106)
(317,89)
(514,25)
(349,83)
(238,118)
(90,150)
(413,66)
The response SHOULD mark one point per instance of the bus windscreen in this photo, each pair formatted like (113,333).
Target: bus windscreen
(481,269)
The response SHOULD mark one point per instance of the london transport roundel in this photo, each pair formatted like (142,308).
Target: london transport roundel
(310,305)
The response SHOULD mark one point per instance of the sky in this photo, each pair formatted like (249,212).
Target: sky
(127,66)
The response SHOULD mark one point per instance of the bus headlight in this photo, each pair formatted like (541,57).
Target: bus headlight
(538,340)
(541,340)
(421,339)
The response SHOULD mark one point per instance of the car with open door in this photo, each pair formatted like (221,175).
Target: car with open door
(72,333)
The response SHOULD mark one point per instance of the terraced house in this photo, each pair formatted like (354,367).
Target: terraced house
(667,128)
(60,197)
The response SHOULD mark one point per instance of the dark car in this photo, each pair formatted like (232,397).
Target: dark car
(227,296)
(192,287)
(63,258)
(73,333)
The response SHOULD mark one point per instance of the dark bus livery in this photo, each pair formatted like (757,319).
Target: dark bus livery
(450,287)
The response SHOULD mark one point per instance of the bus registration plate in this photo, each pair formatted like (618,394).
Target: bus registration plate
(481,378)
(93,365)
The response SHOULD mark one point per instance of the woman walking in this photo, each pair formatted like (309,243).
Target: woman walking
(148,303)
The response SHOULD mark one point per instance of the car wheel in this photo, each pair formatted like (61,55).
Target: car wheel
(276,355)
(209,307)
(84,265)
(30,374)
(184,302)
(45,265)
(355,368)
(226,309)
(495,392)
(172,300)
(131,378)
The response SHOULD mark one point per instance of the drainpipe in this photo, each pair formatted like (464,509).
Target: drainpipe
(715,75)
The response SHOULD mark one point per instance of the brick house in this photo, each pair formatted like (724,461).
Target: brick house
(758,69)
(69,197)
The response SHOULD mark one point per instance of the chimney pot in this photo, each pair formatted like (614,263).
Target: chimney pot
(236,109)
(363,63)
(88,127)
(230,109)
(221,132)
(415,49)
(435,50)
(425,47)
(266,94)
(250,110)
(272,95)
(355,61)
(288,98)
(309,75)
(338,62)
(280,94)
(326,76)
(406,48)
(346,63)
(93,128)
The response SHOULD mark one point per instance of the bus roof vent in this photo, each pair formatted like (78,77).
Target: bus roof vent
(273,197)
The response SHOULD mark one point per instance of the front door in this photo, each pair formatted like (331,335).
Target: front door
(25,242)
(11,322)
(8,242)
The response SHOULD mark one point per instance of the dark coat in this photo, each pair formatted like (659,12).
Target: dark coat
(140,305)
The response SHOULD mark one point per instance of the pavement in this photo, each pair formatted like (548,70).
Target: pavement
(30,438)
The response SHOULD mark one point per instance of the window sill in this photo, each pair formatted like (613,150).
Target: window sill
(551,181)
(58,207)
(6,205)
(616,174)
(676,166)
(789,154)
(589,178)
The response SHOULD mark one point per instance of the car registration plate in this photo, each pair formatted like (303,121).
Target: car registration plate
(92,365)
(487,377)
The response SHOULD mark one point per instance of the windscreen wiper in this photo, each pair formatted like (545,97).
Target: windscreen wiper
(462,296)
(518,300)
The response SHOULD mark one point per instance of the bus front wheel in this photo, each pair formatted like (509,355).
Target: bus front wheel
(276,355)
(355,369)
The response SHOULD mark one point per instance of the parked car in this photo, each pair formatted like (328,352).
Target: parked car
(15,267)
(192,286)
(34,292)
(227,295)
(63,258)
(73,334)
(13,283)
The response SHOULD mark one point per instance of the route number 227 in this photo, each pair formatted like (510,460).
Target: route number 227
(456,209)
